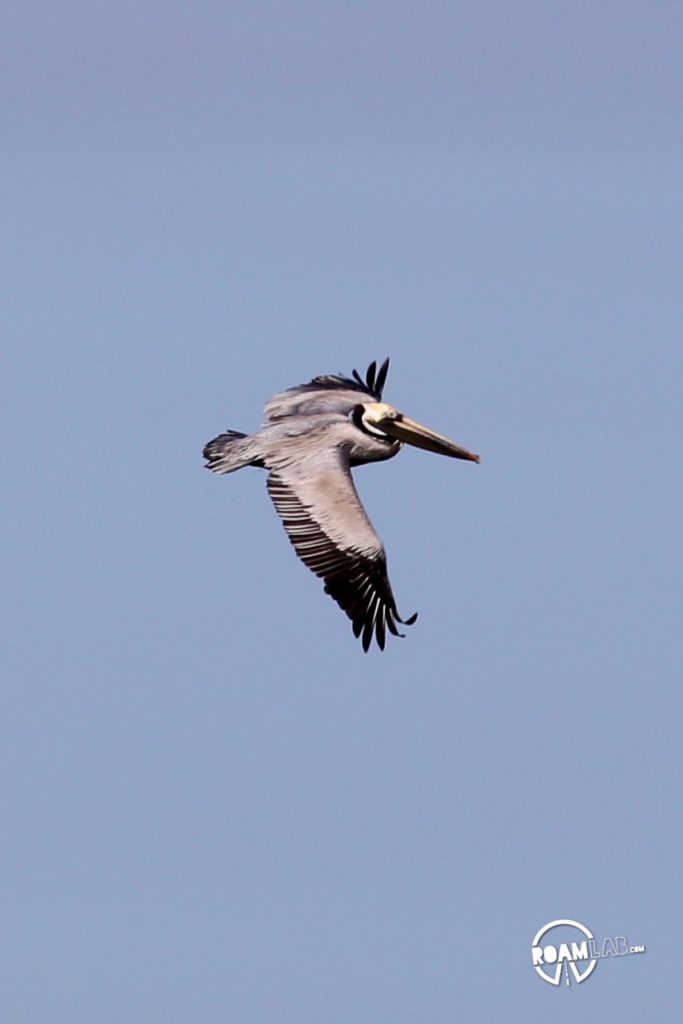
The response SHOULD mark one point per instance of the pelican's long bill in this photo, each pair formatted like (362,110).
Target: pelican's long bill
(407,430)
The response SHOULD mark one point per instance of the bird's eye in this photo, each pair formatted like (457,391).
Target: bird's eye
(356,415)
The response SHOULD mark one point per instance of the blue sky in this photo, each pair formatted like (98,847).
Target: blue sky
(215,806)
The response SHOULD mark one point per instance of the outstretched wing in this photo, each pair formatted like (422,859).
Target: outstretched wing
(331,533)
(329,394)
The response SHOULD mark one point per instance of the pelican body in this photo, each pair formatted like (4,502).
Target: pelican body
(313,436)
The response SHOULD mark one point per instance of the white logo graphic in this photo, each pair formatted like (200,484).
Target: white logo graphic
(575,949)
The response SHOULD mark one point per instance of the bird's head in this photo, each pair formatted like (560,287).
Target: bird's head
(383,421)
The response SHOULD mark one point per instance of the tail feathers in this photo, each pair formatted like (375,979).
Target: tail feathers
(230,451)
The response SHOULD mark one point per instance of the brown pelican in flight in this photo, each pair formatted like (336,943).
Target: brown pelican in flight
(313,437)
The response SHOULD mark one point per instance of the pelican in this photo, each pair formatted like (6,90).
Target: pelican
(313,437)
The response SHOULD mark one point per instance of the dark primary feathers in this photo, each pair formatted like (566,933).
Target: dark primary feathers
(355,575)
(373,385)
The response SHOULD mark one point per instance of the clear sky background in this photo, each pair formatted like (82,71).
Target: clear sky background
(215,806)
